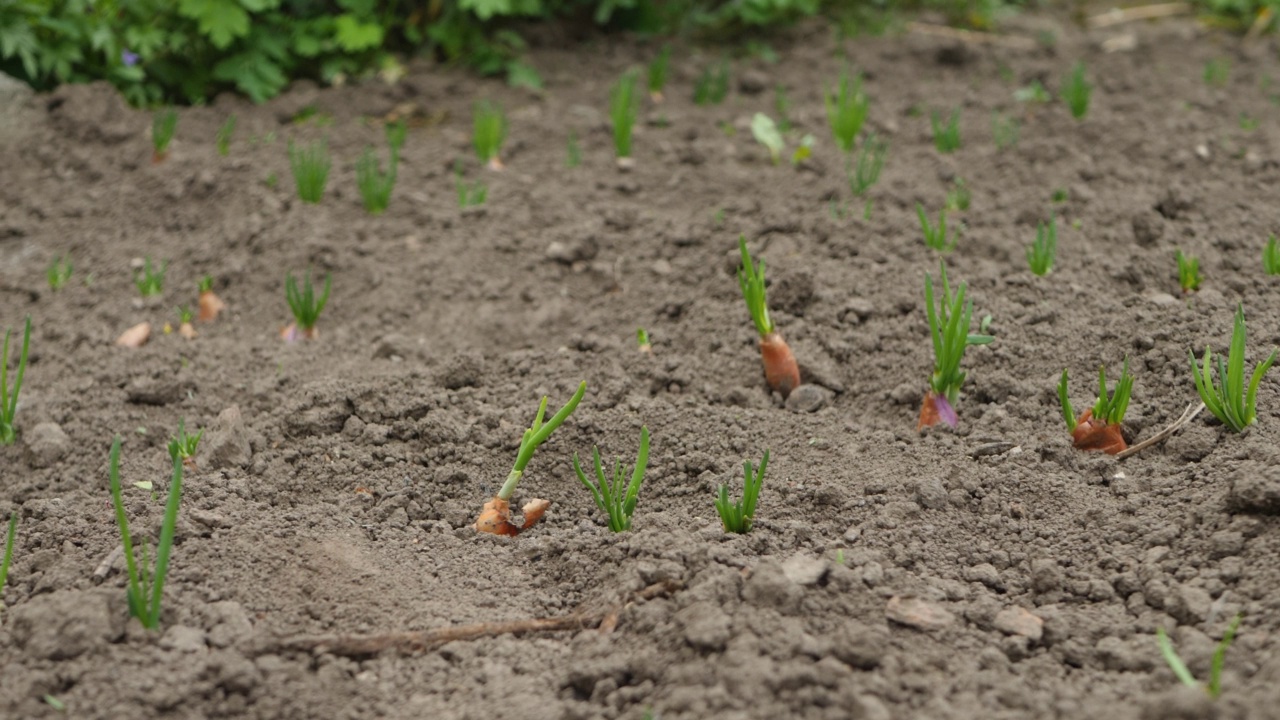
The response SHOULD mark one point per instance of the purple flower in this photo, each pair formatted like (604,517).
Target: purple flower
(945,412)
(129,58)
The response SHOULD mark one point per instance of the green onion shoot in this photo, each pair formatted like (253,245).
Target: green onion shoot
(1183,673)
(149,279)
(946,136)
(8,554)
(624,109)
(658,73)
(310,166)
(935,236)
(738,516)
(1228,398)
(59,273)
(847,108)
(305,306)
(1044,249)
(1271,256)
(163,124)
(183,446)
(146,588)
(616,499)
(488,131)
(949,327)
(1099,428)
(1188,272)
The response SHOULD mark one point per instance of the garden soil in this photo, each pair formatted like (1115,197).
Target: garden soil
(990,571)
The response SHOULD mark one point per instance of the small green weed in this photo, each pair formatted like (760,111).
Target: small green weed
(1005,131)
(469,195)
(935,236)
(150,279)
(573,152)
(1032,94)
(1076,91)
(182,447)
(1180,670)
(1217,72)
(1188,272)
(59,273)
(1044,249)
(310,166)
(712,86)
(959,197)
(738,517)
(946,137)
(163,125)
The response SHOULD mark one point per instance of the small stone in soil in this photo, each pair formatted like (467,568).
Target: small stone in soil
(917,613)
(46,444)
(1018,621)
(808,398)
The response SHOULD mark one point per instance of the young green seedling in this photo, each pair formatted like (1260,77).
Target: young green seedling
(935,236)
(642,340)
(1099,427)
(1183,673)
(847,108)
(397,132)
(738,517)
(1076,91)
(1217,71)
(1033,94)
(949,327)
(305,306)
(150,280)
(865,172)
(1228,399)
(375,186)
(1044,249)
(489,130)
(470,195)
(658,73)
(946,137)
(782,105)
(1188,272)
(183,446)
(163,124)
(8,554)
(780,368)
(223,138)
(185,328)
(146,589)
(1271,257)
(59,273)
(310,166)
(711,89)
(617,500)
(766,133)
(624,108)
(495,517)
(1005,131)
(958,197)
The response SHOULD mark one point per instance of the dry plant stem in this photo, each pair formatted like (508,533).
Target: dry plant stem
(1187,416)
(418,641)
(1119,16)
(969,36)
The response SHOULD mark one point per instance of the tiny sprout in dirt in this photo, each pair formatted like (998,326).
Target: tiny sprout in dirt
(949,327)
(1183,673)
(146,587)
(469,195)
(397,132)
(1044,249)
(223,138)
(1032,94)
(572,151)
(616,499)
(847,108)
(946,137)
(59,273)
(642,340)
(163,124)
(713,85)
(495,517)
(1271,256)
(1228,399)
(1058,196)
(865,171)
(305,306)
(766,133)
(782,105)
(310,166)
(624,108)
(1076,90)
(658,73)
(183,446)
(780,368)
(1188,272)
(185,328)
(488,131)
(1217,72)
(149,279)
(1099,427)
(8,554)
(210,304)
(1005,131)
(958,197)
(737,517)
(935,236)
(375,185)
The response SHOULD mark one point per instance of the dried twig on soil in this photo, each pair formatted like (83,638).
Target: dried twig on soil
(1187,416)
(969,36)
(1119,16)
(419,641)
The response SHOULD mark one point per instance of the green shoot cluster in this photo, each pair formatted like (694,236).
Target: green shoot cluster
(935,236)
(1180,670)
(1228,399)
(949,327)
(1044,249)
(223,138)
(1188,272)
(572,151)
(658,71)
(865,172)
(1109,407)
(946,136)
(1271,257)
(163,124)
(469,195)
(642,339)
(959,197)
(182,447)
(489,130)
(9,399)
(150,281)
(737,517)
(205,284)
(782,105)
(1217,72)
(1076,90)
(8,553)
(847,108)
(59,273)
(766,133)
(146,589)
(185,314)
(617,500)
(751,280)
(304,304)
(397,132)
(1032,94)
(1005,131)
(712,87)
(310,166)
(535,435)
(624,108)
(375,185)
